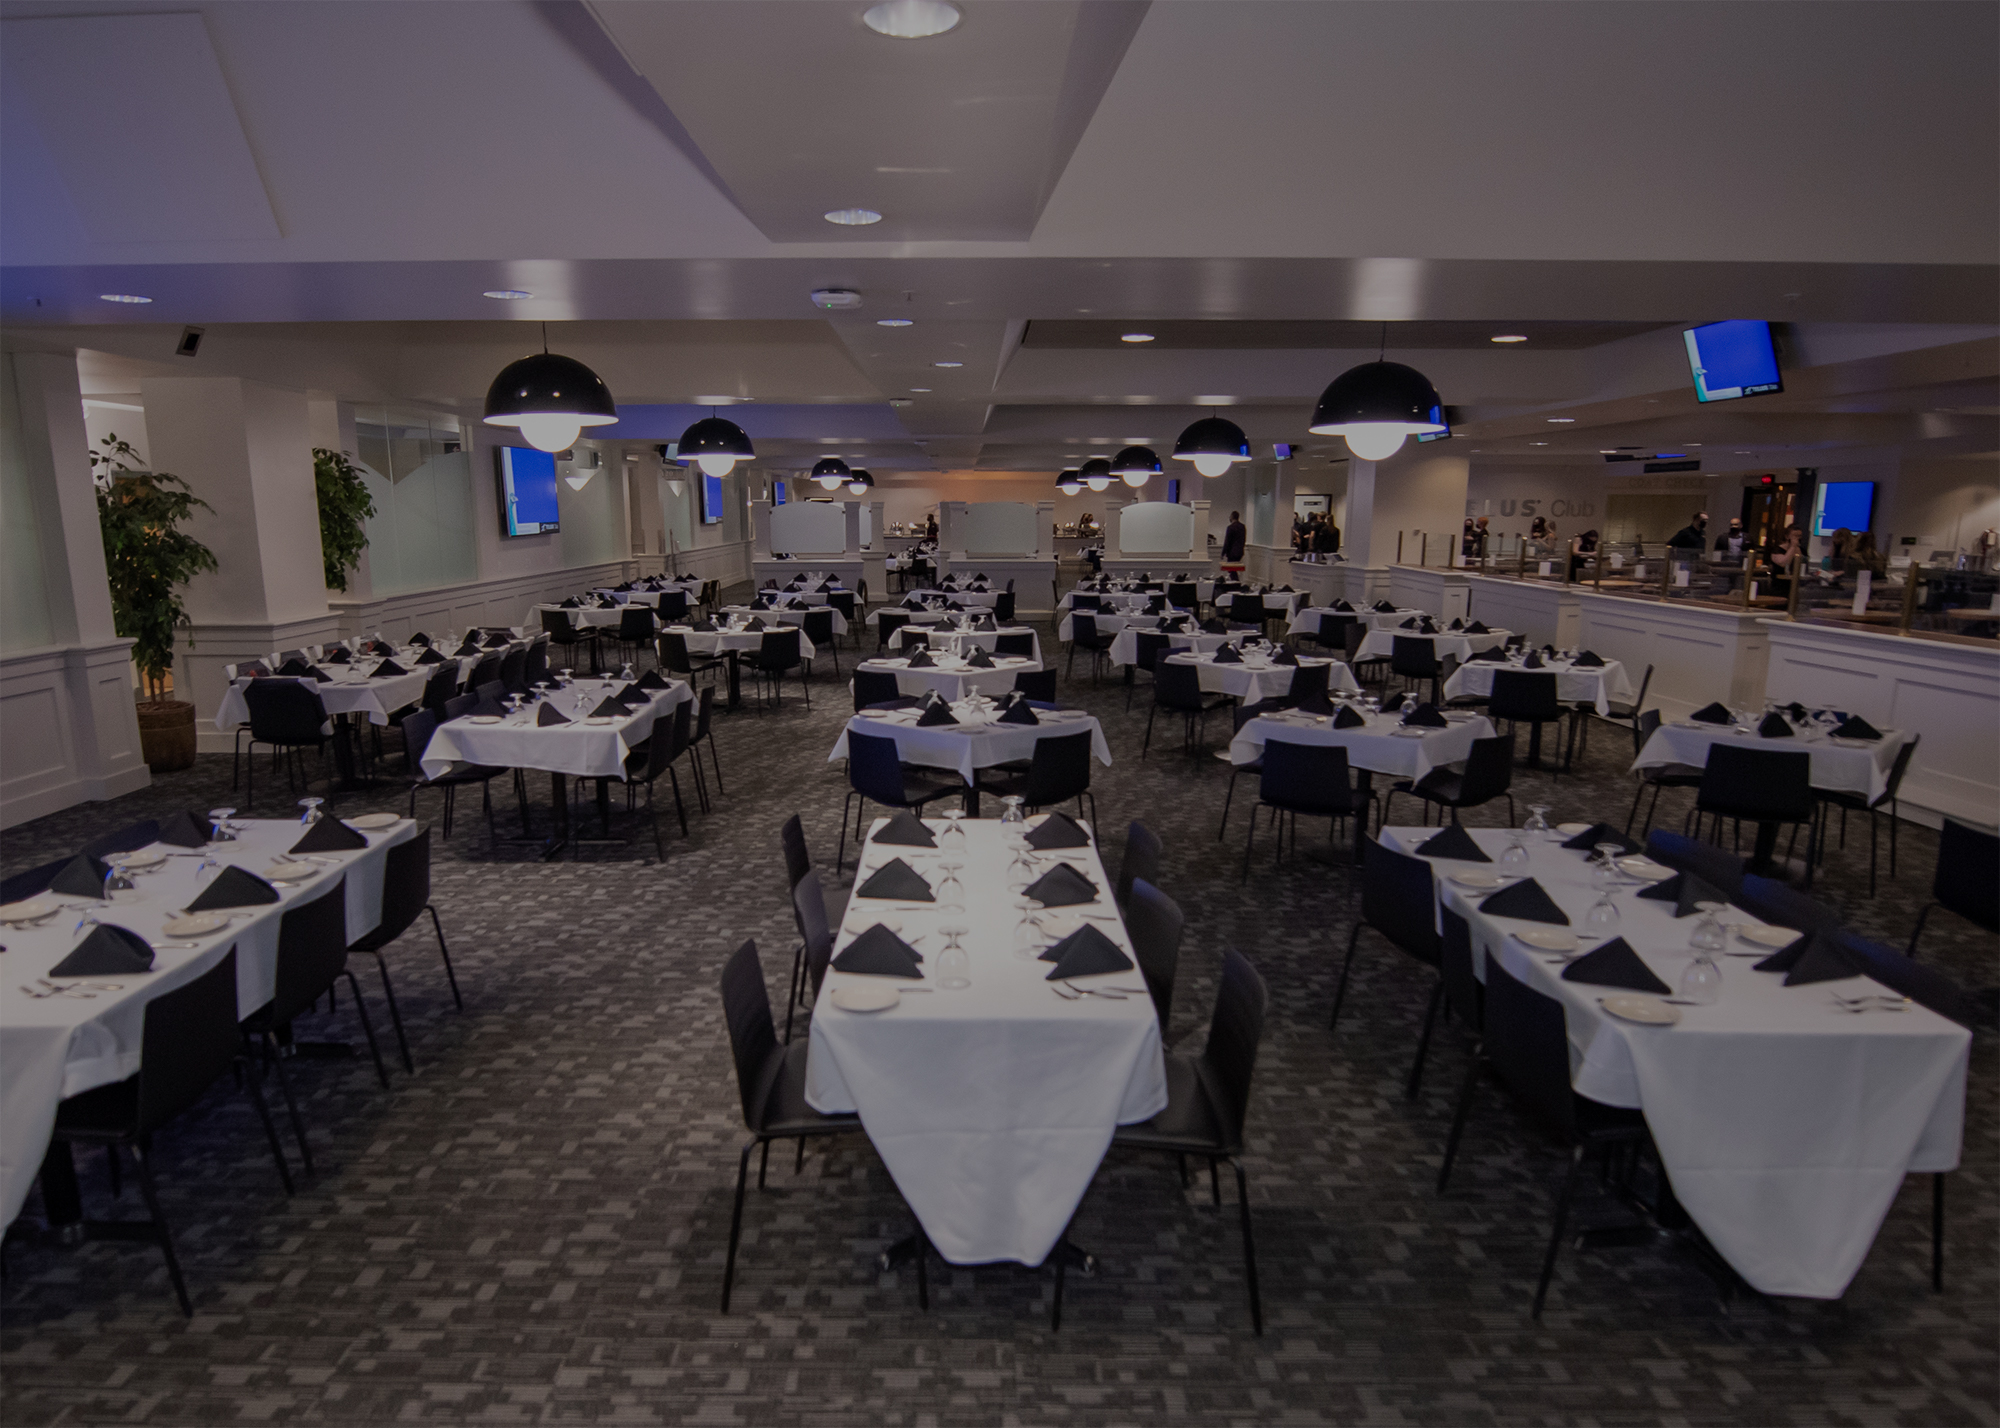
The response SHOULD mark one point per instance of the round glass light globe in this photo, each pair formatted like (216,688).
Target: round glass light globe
(550,431)
(1374,443)
(1212,464)
(716,463)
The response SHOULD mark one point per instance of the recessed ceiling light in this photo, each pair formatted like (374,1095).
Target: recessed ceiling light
(894,322)
(1538,443)
(947,364)
(721,401)
(122,297)
(1508,337)
(1136,337)
(920,389)
(911,19)
(853,217)
(1562,421)
(507,294)
(1607,451)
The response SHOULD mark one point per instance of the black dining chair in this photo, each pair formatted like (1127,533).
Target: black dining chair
(439,690)
(673,606)
(514,670)
(1528,697)
(1058,772)
(1208,1104)
(32,883)
(1718,867)
(887,622)
(1177,689)
(1486,774)
(492,692)
(1154,922)
(875,773)
(704,734)
(1330,633)
(1415,662)
(188,1039)
(675,659)
(1967,879)
(289,716)
(1312,684)
(1149,647)
(636,631)
(1465,999)
(776,656)
(1301,778)
(771,1080)
(798,863)
(667,744)
(1140,860)
(1398,903)
(486,671)
(1758,786)
(873,686)
(1037,684)
(815,929)
(418,728)
(1620,711)
(1019,645)
(1248,611)
(1657,777)
(1003,605)
(1847,802)
(566,639)
(458,706)
(1241,715)
(1183,594)
(818,629)
(1085,635)
(406,896)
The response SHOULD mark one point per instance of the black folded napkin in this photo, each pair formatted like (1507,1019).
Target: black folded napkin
(1694,890)
(1285,657)
(703,626)
(1527,901)
(1019,712)
(1454,843)
(1596,833)
(81,876)
(1427,625)
(1477,627)
(234,887)
(295,669)
(609,709)
(1786,957)
(430,656)
(1383,607)
(1821,959)
(1086,952)
(1710,714)
(1348,718)
(822,588)
(1533,661)
(632,696)
(336,655)
(1058,830)
(755,622)
(1393,703)
(499,639)
(1062,886)
(654,681)
(1492,656)
(420,638)
(108,952)
(571,603)
(1589,659)
(922,659)
(1796,710)
(1409,624)
(979,659)
(1855,727)
(935,713)
(386,668)
(1774,726)
(1341,607)
(985,624)
(954,605)
(186,829)
(1214,626)
(1426,716)
(1615,964)
(1227,655)
(548,715)
(381,647)
(487,708)
(878,952)
(329,835)
(897,879)
(905,830)
(1286,590)
(470,647)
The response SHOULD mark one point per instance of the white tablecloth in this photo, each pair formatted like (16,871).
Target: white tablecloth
(971,599)
(52,1047)
(1837,768)
(958,640)
(1279,604)
(1380,644)
(1597,687)
(1307,620)
(1786,1124)
(975,742)
(348,692)
(991,1106)
(1125,648)
(1375,746)
(1252,683)
(790,615)
(1113,601)
(955,682)
(580,617)
(716,641)
(1113,620)
(585,750)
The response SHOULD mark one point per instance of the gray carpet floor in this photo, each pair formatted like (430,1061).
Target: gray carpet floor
(530,1229)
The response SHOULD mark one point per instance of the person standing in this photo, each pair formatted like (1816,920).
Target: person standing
(1731,541)
(1326,538)
(1693,535)
(1234,538)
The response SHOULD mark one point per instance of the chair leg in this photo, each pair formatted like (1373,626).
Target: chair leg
(291,1101)
(1918,931)
(792,989)
(1937,1233)
(166,1238)
(679,807)
(1424,1042)
(1149,730)
(736,1224)
(1249,1246)
(1556,1235)
(1458,1116)
(840,857)
(1227,798)
(368,1029)
(1340,993)
(717,762)
(445,952)
(1250,839)
(395,1015)
(264,1118)
(1637,794)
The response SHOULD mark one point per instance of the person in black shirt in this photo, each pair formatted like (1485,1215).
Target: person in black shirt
(1693,535)
(1233,539)
(1326,537)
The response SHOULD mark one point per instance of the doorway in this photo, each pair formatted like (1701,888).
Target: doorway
(1767,511)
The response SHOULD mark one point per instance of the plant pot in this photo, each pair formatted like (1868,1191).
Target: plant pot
(166,734)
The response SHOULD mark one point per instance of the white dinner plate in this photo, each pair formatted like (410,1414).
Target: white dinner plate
(1479,882)
(1638,867)
(1402,732)
(291,872)
(878,713)
(1547,939)
(195,924)
(483,719)
(1647,1011)
(145,858)
(599,719)
(33,910)
(866,999)
(1570,830)
(1776,939)
(372,821)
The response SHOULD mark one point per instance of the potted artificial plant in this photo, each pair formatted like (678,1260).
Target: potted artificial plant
(148,560)
(344,504)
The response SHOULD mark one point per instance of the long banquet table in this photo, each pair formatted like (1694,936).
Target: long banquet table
(1786,1124)
(1837,766)
(992,1105)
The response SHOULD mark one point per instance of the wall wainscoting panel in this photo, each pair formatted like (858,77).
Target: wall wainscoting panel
(71,732)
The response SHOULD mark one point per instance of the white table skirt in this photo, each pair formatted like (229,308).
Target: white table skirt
(974,742)
(971,599)
(1113,601)
(954,684)
(584,750)
(1374,746)
(1837,768)
(1279,604)
(991,1106)
(1786,1124)
(788,616)
(1108,620)
(1125,648)
(1307,620)
(1251,685)
(1380,644)
(580,618)
(716,641)
(1596,687)
(52,1047)
(957,640)
(341,695)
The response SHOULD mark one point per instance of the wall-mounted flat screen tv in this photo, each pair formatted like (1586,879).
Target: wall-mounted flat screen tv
(527,480)
(1732,359)
(1843,503)
(711,499)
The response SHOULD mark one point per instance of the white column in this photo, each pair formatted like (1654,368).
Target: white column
(1114,514)
(851,514)
(760,529)
(1045,528)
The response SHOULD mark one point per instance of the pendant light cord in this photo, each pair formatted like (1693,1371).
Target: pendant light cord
(1382,351)
(545,338)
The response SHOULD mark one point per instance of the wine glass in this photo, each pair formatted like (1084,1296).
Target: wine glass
(219,823)
(625,671)
(1013,817)
(541,690)
(118,884)
(566,676)
(1030,936)
(1516,855)
(954,968)
(953,837)
(951,891)
(1708,936)
(1537,826)
(311,807)
(1701,983)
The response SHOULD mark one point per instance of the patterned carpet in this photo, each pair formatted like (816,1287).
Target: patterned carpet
(531,1228)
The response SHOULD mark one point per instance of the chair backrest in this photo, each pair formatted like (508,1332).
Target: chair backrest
(1923,985)
(1645,683)
(1083,631)
(1718,867)
(673,605)
(809,908)
(798,862)
(1333,629)
(1021,644)
(874,768)
(1309,680)
(514,671)
(1356,634)
(1003,603)
(441,686)
(285,711)
(1643,728)
(1247,609)
(1527,1043)
(556,624)
(874,687)
(1176,685)
(128,839)
(459,706)
(189,1038)
(746,1005)
(1398,899)
(1775,903)
(406,885)
(1760,783)
(1141,860)
(1059,770)
(1413,657)
(1893,785)
(493,690)
(32,883)
(818,627)
(674,653)
(1306,778)
(1524,694)
(635,624)
(1183,594)
(914,639)
(312,951)
(1489,770)
(1461,984)
(843,601)
(418,726)
(1037,684)
(1154,921)
(704,706)
(1078,602)
(886,624)
(1968,873)
(486,671)
(1230,1058)
(1147,649)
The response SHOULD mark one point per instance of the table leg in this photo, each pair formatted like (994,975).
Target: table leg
(735,700)
(1535,745)
(1767,844)
(559,834)
(62,1197)
(604,806)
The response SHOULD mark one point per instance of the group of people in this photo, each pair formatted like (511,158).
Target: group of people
(1315,534)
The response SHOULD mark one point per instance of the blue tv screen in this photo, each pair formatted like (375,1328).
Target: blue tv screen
(527,491)
(1845,503)
(1732,359)
(711,500)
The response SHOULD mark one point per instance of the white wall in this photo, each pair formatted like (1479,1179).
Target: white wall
(1946,504)
(421,536)
(25,621)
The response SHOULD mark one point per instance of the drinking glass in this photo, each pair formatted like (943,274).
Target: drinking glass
(1537,826)
(953,836)
(541,689)
(565,676)
(1013,815)
(514,703)
(1030,936)
(954,968)
(118,884)
(1701,983)
(1602,915)
(1708,936)
(219,818)
(625,671)
(951,891)
(311,807)
(1516,854)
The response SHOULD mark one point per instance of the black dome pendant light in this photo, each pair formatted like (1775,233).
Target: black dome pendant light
(1136,465)
(1096,473)
(549,398)
(860,482)
(1376,405)
(1213,444)
(1069,482)
(715,444)
(829,471)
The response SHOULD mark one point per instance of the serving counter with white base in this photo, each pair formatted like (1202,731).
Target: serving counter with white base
(1442,592)
(1545,612)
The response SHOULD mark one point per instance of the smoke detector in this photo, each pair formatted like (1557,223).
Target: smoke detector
(835,299)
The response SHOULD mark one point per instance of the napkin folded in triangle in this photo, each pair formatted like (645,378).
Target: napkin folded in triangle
(1693,892)
(986,624)
(922,658)
(1492,656)
(571,603)
(653,681)
(755,622)
(1062,886)
(703,626)
(1058,830)
(430,656)
(1086,952)
(420,638)
(905,830)
(1426,716)
(821,588)
(1817,958)
(1788,957)
(1342,607)
(1348,718)
(1227,655)
(1428,626)
(1589,659)
(470,647)
(1454,843)
(1393,703)
(234,887)
(632,696)
(935,713)
(1019,712)
(487,709)
(979,659)
(1409,624)
(548,715)
(108,952)
(897,879)
(295,669)
(336,655)
(1477,627)
(1710,714)
(609,709)
(1383,607)
(81,876)
(186,829)
(878,952)
(329,835)
(1214,626)
(1796,710)
(1533,661)
(1285,657)
(498,640)
(1456,624)
(1527,901)
(1615,964)
(1774,726)
(387,668)
(1855,727)
(1596,833)
(954,605)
